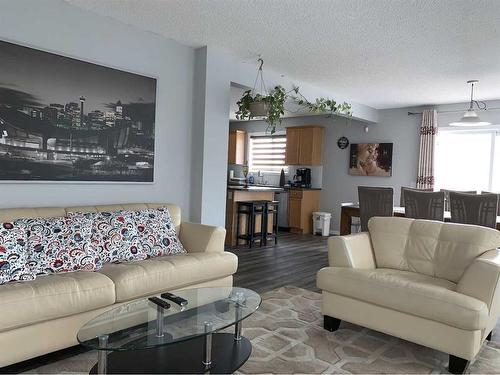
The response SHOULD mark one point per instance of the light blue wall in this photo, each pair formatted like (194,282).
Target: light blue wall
(58,27)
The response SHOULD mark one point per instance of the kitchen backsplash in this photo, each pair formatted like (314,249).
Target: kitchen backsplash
(274,178)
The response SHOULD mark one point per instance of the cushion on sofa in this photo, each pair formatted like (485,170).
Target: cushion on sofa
(53,296)
(432,248)
(156,232)
(114,237)
(59,244)
(408,292)
(14,253)
(138,279)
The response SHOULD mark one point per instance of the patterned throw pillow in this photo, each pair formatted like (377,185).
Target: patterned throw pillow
(157,232)
(13,253)
(59,244)
(114,236)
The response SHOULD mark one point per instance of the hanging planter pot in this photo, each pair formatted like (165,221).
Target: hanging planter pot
(259,109)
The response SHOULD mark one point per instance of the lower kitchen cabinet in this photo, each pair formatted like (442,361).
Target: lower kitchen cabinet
(301,205)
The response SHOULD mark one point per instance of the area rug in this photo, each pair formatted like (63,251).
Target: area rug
(287,337)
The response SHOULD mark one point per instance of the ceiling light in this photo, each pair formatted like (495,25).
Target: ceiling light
(470,117)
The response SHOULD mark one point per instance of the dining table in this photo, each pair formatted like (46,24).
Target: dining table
(348,211)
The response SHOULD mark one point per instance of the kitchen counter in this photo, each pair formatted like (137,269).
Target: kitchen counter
(255,188)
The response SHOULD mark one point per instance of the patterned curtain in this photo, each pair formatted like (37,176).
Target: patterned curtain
(428,131)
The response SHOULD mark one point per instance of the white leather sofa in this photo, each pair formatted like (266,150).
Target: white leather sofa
(432,283)
(44,315)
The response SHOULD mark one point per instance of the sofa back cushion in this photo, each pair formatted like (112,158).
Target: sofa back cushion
(58,244)
(432,248)
(14,253)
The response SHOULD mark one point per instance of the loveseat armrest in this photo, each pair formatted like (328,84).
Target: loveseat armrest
(199,238)
(352,251)
(481,279)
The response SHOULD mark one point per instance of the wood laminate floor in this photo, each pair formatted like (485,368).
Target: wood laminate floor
(295,260)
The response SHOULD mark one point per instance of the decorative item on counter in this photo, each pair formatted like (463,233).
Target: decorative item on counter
(245,171)
(231,174)
(251,179)
(282,178)
(343,142)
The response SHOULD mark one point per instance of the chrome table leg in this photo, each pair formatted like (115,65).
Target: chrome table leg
(208,345)
(159,322)
(102,355)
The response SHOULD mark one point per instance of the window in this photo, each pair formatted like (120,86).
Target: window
(266,153)
(468,160)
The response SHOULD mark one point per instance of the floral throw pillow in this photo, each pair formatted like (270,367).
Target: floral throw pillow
(59,244)
(157,232)
(13,253)
(114,236)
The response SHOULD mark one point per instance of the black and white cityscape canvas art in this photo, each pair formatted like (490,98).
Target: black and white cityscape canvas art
(63,119)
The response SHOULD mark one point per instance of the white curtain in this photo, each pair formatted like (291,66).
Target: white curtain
(428,132)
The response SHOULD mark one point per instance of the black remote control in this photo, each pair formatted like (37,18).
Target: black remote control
(159,302)
(175,299)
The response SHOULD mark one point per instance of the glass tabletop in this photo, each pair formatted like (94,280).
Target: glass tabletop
(141,324)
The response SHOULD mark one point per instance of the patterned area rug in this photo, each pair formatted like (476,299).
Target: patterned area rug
(287,337)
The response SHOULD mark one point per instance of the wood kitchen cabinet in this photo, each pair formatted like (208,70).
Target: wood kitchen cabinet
(301,205)
(236,148)
(304,145)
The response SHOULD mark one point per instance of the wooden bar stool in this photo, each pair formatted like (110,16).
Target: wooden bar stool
(271,209)
(251,209)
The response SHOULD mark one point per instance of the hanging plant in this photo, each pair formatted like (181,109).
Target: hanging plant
(271,106)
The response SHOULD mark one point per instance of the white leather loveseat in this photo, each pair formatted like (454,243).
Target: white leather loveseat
(44,315)
(432,283)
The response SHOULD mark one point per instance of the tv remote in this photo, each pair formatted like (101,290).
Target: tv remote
(175,299)
(159,302)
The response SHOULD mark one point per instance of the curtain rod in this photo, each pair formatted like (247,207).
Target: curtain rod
(451,111)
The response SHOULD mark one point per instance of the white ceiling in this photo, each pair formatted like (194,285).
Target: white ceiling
(383,53)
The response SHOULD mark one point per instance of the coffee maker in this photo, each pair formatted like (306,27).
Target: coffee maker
(302,178)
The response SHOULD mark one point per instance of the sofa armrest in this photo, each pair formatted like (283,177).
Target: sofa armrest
(353,251)
(481,279)
(199,238)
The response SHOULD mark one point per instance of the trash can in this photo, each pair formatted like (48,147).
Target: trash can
(321,223)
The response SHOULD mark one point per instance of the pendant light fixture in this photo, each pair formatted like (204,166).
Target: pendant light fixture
(470,117)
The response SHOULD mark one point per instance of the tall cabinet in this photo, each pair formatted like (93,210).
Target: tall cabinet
(236,148)
(304,145)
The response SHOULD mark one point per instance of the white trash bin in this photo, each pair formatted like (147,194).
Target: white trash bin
(321,223)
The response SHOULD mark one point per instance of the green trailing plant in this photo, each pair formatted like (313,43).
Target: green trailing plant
(275,105)
(275,102)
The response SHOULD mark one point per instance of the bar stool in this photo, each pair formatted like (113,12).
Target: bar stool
(272,208)
(251,209)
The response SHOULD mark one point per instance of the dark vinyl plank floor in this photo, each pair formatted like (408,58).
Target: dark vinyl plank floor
(295,260)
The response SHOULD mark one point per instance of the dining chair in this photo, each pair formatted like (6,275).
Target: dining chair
(447,196)
(374,201)
(355,222)
(477,209)
(427,205)
(498,194)
(404,189)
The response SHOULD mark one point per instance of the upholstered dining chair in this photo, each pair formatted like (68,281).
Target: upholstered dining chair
(404,189)
(447,196)
(427,205)
(477,209)
(374,201)
(498,194)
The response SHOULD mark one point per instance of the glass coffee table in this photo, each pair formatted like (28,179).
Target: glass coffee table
(142,337)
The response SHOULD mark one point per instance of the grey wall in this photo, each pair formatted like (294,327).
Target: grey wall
(58,27)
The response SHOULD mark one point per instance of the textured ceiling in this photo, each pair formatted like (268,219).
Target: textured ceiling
(383,53)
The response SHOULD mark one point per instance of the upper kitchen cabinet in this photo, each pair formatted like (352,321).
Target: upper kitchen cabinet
(236,149)
(304,145)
